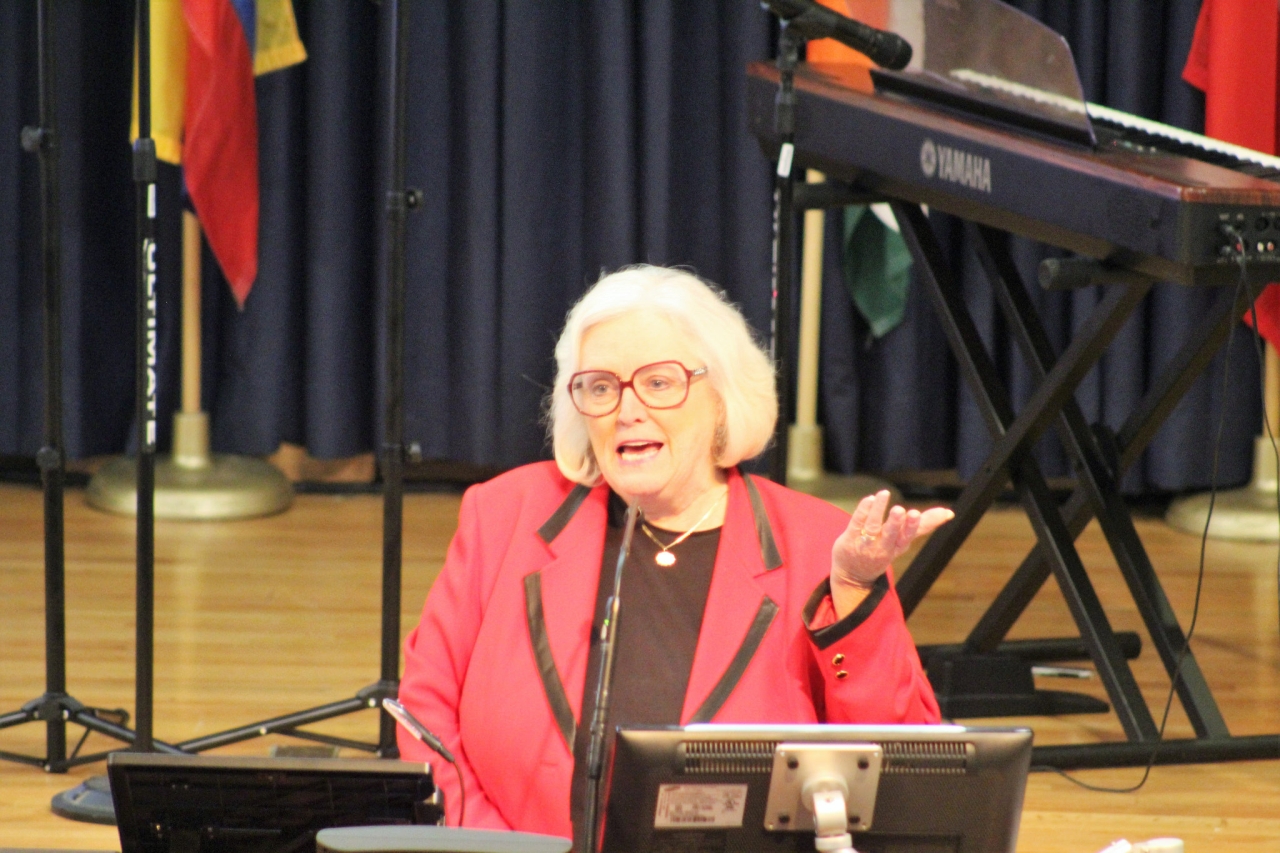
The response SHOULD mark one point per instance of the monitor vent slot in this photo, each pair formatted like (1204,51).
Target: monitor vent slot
(924,758)
(715,757)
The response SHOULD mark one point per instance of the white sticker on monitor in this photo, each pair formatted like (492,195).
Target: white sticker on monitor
(697,806)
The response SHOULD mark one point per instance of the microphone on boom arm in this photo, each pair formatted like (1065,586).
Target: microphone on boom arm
(414,726)
(816,21)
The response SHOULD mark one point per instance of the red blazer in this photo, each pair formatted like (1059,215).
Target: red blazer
(497,665)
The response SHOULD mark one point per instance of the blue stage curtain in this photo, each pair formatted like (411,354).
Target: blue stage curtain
(552,141)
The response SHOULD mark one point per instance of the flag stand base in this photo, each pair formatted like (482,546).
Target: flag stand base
(805,474)
(1251,513)
(193,484)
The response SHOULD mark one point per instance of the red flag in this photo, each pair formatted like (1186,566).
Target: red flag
(202,100)
(220,149)
(1233,60)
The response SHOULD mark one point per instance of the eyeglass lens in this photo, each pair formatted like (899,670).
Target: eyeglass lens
(662,385)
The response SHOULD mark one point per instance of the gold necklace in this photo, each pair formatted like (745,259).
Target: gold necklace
(664,557)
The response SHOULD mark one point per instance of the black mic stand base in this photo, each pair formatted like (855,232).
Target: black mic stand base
(288,724)
(57,710)
(88,802)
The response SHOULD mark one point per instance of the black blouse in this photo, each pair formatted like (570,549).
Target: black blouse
(659,618)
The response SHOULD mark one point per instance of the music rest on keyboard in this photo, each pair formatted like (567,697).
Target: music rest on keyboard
(1165,214)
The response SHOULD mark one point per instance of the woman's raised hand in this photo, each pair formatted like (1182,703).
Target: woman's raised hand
(874,539)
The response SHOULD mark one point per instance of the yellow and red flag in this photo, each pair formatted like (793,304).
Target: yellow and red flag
(204,115)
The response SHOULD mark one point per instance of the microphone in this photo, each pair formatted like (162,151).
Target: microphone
(608,647)
(816,21)
(415,727)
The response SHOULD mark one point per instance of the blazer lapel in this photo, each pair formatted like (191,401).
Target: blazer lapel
(739,608)
(560,600)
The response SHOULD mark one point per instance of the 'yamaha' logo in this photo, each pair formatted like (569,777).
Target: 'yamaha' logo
(928,158)
(958,167)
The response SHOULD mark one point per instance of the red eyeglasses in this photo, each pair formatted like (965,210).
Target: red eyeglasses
(661,385)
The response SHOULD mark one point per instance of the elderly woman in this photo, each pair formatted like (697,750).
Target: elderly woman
(741,601)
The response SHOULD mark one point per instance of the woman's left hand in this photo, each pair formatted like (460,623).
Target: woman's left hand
(871,542)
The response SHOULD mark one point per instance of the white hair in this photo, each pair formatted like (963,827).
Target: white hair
(738,368)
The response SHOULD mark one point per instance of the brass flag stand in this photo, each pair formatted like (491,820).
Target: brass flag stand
(192,483)
(1252,512)
(804,445)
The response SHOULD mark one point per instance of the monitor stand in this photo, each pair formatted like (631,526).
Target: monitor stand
(827,788)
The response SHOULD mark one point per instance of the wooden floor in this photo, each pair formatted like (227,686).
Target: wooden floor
(263,617)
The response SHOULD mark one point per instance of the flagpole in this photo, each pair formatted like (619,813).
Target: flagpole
(804,444)
(805,471)
(194,483)
(191,339)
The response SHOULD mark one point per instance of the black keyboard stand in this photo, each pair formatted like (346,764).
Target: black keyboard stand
(986,676)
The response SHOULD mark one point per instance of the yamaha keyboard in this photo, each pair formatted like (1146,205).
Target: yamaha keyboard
(988,124)
(1133,198)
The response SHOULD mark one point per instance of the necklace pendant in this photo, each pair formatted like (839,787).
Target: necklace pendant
(665,559)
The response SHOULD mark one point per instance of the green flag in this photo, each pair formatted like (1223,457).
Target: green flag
(877,266)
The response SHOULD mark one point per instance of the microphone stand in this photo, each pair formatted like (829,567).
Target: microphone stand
(790,40)
(608,646)
(55,708)
(800,20)
(148,336)
(91,800)
(401,201)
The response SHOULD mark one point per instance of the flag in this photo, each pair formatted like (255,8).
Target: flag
(876,264)
(1233,61)
(204,55)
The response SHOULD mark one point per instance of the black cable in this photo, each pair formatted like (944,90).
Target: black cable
(462,795)
(1204,541)
(1260,349)
(462,787)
